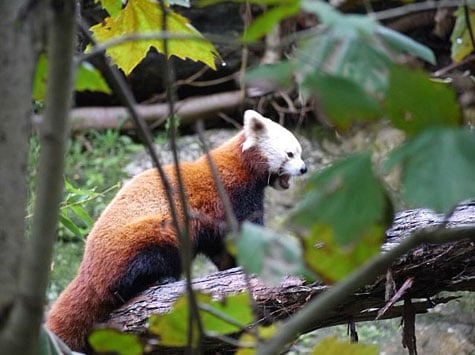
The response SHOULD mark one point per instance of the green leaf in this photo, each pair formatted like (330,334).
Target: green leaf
(264,23)
(460,37)
(268,254)
(403,43)
(89,78)
(438,168)
(83,215)
(145,16)
(333,90)
(70,225)
(50,344)
(347,197)
(111,6)
(353,54)
(173,327)
(279,74)
(414,102)
(332,345)
(112,341)
(235,307)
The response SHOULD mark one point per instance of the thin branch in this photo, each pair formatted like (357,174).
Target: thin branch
(223,195)
(416,7)
(27,312)
(183,230)
(318,307)
(409,327)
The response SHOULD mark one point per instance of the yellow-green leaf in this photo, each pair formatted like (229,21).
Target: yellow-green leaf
(173,327)
(145,16)
(111,6)
(332,261)
(249,342)
(39,82)
(112,341)
(460,38)
(332,345)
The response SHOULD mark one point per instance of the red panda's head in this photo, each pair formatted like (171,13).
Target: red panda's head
(280,148)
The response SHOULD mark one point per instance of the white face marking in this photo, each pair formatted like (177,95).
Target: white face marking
(281,148)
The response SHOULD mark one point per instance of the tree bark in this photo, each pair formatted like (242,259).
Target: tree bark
(21,326)
(17,58)
(430,268)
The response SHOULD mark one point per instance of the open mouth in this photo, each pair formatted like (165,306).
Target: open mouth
(279,182)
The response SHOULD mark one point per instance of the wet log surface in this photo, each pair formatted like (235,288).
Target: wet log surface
(429,269)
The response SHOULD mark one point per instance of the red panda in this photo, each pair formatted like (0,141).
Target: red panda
(133,243)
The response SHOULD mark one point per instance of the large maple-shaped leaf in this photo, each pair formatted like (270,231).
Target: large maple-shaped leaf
(145,16)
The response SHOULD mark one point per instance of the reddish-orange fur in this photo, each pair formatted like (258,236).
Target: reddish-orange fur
(139,218)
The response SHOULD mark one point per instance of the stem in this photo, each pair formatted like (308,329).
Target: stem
(317,308)
(183,230)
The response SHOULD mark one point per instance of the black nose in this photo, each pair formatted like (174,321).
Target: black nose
(303,170)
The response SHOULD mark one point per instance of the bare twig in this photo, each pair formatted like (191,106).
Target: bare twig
(415,7)
(397,296)
(223,195)
(409,327)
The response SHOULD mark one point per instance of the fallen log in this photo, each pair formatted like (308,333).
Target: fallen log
(189,110)
(424,272)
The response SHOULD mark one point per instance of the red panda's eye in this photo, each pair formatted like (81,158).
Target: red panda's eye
(290,154)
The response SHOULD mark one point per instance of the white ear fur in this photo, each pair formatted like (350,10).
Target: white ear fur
(254,127)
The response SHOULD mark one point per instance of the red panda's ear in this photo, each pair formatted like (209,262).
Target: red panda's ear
(254,121)
(254,127)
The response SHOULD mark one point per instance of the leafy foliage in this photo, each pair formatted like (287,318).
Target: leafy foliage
(87,78)
(140,17)
(218,317)
(268,254)
(112,341)
(461,42)
(264,23)
(345,211)
(438,168)
(349,59)
(412,112)
(332,63)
